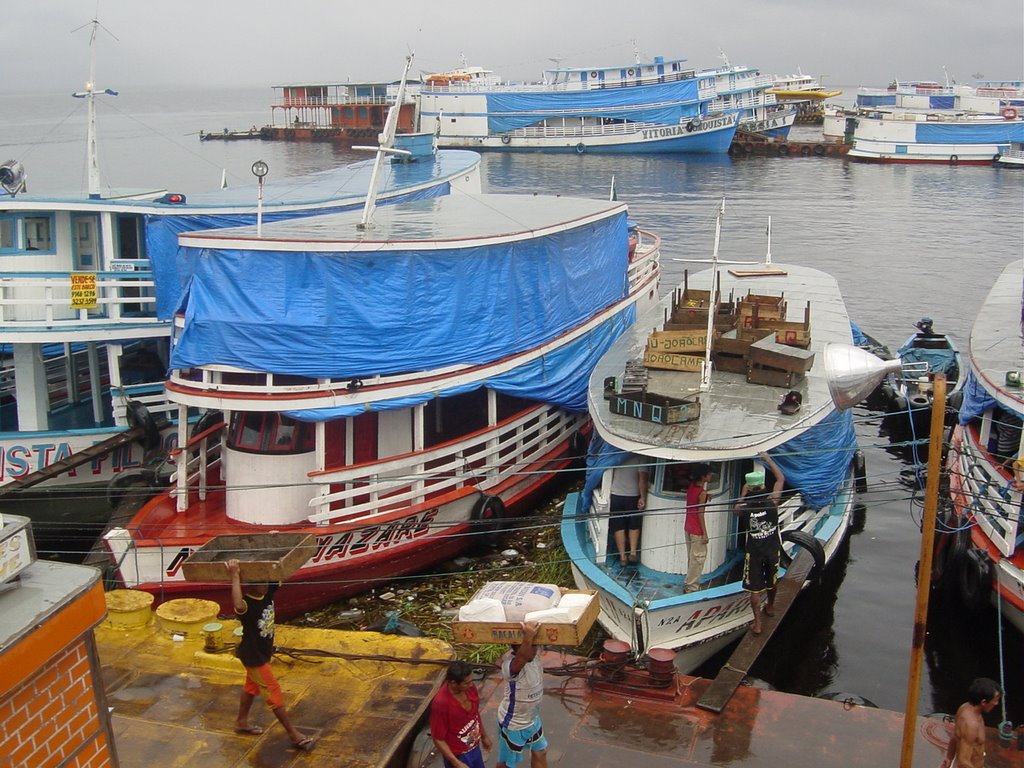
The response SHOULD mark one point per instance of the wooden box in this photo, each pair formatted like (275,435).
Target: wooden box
(572,634)
(669,361)
(729,363)
(791,334)
(658,409)
(755,308)
(737,342)
(268,557)
(768,353)
(773,377)
(690,341)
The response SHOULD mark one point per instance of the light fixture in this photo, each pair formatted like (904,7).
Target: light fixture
(853,373)
(259,170)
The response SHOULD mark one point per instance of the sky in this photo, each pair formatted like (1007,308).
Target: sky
(270,42)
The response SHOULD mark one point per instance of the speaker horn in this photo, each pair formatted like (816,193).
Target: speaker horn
(12,177)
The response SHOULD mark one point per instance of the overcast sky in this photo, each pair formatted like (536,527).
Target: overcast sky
(268,42)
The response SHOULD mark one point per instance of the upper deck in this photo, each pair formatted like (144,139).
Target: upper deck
(997,341)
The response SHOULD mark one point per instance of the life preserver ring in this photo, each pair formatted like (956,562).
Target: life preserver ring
(1009,113)
(139,417)
(486,520)
(805,151)
(581,148)
(953,159)
(593,75)
(505,138)
(809,542)
(975,579)
(819,150)
(630,72)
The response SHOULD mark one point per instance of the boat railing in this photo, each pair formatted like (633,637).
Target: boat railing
(994,505)
(483,459)
(646,261)
(582,130)
(152,395)
(29,299)
(193,463)
(334,101)
(1015,153)
(469,86)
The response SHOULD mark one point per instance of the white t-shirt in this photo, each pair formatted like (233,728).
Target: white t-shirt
(521,703)
(626,477)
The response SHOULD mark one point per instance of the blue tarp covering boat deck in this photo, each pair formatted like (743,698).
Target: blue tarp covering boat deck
(664,103)
(455,280)
(1002,132)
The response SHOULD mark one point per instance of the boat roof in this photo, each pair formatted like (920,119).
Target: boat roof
(737,419)
(346,183)
(658,61)
(449,221)
(997,340)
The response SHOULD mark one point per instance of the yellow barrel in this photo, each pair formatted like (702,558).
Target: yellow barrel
(128,608)
(186,616)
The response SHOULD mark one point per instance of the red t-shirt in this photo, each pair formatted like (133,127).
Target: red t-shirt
(693,521)
(452,723)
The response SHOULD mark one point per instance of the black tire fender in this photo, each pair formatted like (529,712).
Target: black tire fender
(122,484)
(953,159)
(506,139)
(860,472)
(950,547)
(206,421)
(975,579)
(140,418)
(809,542)
(919,403)
(581,148)
(486,520)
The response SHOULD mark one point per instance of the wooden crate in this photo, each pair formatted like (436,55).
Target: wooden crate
(657,409)
(267,557)
(690,341)
(551,633)
(768,353)
(773,377)
(738,341)
(668,361)
(755,308)
(796,334)
(728,363)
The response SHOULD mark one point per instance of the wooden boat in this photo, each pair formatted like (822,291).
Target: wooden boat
(395,389)
(89,289)
(732,417)
(981,554)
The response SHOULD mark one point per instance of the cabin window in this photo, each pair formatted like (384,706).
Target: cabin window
(37,233)
(270,433)
(676,476)
(26,233)
(6,233)
(130,244)
(450,418)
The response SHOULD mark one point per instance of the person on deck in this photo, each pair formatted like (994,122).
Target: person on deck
(967,744)
(697,498)
(763,547)
(519,726)
(255,610)
(455,723)
(626,505)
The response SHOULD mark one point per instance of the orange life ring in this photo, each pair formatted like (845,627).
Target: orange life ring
(1009,113)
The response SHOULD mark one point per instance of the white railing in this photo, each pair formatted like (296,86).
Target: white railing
(193,464)
(994,505)
(33,298)
(484,459)
(575,85)
(335,101)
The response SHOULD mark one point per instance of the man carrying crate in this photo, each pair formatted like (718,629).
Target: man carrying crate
(519,727)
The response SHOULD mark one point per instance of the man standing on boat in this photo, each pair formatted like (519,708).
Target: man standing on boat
(967,744)
(697,498)
(519,727)
(763,546)
(626,506)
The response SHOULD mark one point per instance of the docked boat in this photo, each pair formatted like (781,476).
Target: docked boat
(394,389)
(805,93)
(907,396)
(745,90)
(1012,157)
(678,412)
(89,291)
(658,106)
(934,137)
(982,551)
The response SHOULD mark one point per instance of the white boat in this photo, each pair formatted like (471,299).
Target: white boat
(87,293)
(746,90)
(657,106)
(678,420)
(392,390)
(982,554)
(1012,157)
(931,137)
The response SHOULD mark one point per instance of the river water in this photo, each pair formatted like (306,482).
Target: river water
(903,241)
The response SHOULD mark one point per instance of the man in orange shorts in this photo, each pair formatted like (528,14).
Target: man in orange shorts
(255,610)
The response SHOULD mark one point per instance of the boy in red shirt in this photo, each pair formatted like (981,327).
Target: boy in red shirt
(455,723)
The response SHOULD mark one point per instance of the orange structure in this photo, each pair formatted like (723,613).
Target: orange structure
(52,708)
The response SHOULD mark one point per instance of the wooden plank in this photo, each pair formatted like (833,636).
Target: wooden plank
(667,361)
(692,341)
(729,678)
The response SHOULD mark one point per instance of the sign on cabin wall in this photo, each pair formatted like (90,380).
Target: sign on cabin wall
(694,341)
(83,290)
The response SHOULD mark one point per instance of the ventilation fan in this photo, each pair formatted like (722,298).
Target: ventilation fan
(12,177)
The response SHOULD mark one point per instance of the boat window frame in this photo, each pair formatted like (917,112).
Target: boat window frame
(266,441)
(19,233)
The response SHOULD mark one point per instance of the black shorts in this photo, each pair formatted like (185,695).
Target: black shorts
(760,571)
(623,514)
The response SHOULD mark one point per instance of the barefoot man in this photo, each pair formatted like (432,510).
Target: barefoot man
(967,746)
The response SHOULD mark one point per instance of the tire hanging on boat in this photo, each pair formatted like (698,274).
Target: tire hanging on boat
(860,472)
(486,520)
(581,148)
(809,542)
(819,150)
(805,151)
(139,417)
(951,546)
(975,579)
(505,138)
(953,159)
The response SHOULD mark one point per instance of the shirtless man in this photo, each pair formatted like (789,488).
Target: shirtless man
(967,746)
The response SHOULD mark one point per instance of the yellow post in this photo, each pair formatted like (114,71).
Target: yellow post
(924,573)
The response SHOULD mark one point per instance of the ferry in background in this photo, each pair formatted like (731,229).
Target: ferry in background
(397,410)
(87,293)
(658,106)
(682,419)
(981,555)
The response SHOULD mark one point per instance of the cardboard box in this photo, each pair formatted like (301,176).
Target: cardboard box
(487,632)
(268,557)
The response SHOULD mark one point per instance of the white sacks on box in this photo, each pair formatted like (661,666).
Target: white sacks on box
(574,604)
(483,609)
(520,597)
(551,615)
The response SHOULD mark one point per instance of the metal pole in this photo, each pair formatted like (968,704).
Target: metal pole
(924,573)
(259,209)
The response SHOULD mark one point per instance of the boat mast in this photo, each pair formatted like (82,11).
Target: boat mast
(705,372)
(768,255)
(91,153)
(385,146)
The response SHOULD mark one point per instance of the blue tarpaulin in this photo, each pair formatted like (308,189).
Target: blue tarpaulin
(965,133)
(976,400)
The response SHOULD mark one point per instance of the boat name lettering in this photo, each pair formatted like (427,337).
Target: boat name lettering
(20,460)
(680,130)
(373,538)
(714,614)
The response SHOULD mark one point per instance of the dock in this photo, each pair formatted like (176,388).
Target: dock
(747,144)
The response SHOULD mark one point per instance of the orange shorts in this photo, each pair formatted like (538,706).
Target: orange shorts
(260,681)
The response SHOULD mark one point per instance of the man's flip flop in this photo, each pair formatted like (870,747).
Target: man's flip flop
(252,730)
(306,745)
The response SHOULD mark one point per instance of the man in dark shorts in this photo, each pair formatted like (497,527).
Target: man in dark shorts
(626,504)
(763,547)
(255,610)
